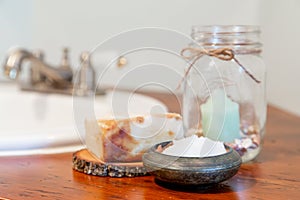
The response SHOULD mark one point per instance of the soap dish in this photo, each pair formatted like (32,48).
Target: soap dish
(191,170)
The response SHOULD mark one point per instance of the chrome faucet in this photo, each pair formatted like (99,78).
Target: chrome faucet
(43,77)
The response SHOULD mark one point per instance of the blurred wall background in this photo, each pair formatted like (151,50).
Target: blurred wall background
(81,25)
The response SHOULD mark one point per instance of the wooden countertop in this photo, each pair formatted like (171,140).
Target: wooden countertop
(274,174)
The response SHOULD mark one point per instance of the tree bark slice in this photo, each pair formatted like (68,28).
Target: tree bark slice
(86,162)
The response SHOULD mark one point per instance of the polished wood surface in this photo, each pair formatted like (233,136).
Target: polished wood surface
(274,174)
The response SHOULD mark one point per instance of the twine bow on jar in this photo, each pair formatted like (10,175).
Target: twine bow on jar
(225,54)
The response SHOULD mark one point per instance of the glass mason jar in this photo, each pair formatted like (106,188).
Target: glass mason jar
(224,87)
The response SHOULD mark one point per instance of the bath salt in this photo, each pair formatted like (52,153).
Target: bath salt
(195,146)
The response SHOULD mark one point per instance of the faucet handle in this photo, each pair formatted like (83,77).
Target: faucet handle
(86,75)
(39,54)
(65,63)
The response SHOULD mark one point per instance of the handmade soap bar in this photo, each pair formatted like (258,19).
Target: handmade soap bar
(195,146)
(126,140)
(220,117)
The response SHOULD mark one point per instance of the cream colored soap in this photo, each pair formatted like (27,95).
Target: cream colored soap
(126,140)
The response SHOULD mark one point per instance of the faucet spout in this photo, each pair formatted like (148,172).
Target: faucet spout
(57,77)
(12,65)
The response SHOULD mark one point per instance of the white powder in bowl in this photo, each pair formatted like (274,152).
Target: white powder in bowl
(195,146)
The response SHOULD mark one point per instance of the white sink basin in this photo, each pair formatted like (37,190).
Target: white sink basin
(35,123)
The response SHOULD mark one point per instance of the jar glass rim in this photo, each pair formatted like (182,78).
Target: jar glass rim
(225,29)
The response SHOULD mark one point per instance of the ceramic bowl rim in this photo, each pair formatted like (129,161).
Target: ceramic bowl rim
(154,148)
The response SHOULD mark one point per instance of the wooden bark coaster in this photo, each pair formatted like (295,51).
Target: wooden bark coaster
(84,161)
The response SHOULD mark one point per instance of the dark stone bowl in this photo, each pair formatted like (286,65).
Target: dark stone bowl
(191,170)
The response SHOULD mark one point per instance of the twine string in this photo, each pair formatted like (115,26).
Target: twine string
(195,54)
